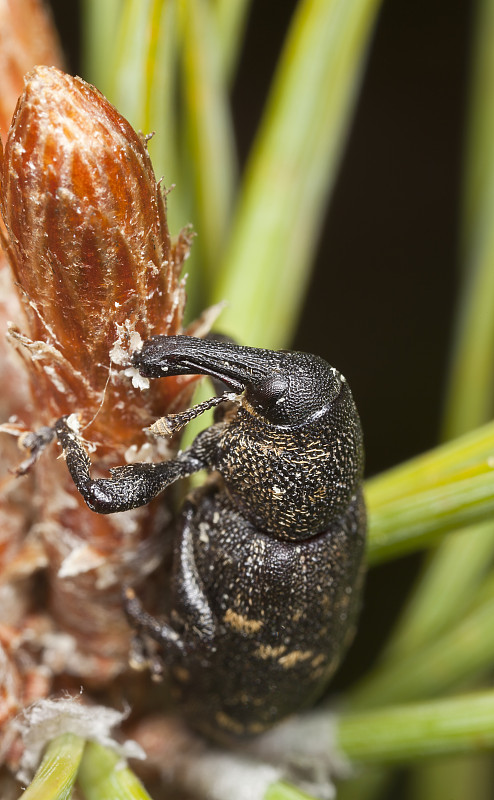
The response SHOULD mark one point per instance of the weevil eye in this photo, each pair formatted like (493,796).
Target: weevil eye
(270,398)
(272,391)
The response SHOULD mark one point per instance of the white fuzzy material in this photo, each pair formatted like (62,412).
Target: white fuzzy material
(221,775)
(73,423)
(128,341)
(305,747)
(47,719)
(138,381)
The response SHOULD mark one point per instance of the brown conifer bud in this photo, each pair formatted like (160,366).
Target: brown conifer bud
(90,250)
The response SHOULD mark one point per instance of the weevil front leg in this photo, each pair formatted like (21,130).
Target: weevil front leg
(130,486)
(192,627)
(144,624)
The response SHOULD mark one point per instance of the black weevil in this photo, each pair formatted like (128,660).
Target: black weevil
(268,556)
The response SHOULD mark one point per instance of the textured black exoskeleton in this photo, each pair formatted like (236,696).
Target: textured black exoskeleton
(268,556)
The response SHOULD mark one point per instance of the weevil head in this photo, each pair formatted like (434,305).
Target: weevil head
(284,388)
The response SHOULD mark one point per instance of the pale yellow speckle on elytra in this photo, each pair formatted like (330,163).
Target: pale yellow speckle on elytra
(241,624)
(293,658)
(297,615)
(258,727)
(317,673)
(229,724)
(266,651)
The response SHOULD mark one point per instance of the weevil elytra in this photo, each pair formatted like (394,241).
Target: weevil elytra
(268,557)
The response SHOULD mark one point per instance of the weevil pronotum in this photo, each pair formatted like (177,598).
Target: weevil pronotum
(268,555)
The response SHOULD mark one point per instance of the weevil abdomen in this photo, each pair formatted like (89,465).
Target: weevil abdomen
(284,614)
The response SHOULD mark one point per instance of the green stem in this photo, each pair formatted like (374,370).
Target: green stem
(455,777)
(463,653)
(480,133)
(437,466)
(100,23)
(231,19)
(450,487)
(471,388)
(211,159)
(128,58)
(157,110)
(58,770)
(405,733)
(103,776)
(419,521)
(464,561)
(366,785)
(292,168)
(284,791)
(144,87)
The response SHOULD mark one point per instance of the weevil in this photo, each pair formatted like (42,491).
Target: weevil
(267,556)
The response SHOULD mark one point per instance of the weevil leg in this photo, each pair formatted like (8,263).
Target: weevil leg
(191,602)
(144,624)
(191,609)
(130,486)
(36,442)
(191,614)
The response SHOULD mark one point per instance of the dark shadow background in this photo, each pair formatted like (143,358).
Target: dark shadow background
(382,300)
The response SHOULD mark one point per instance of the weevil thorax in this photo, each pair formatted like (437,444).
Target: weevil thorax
(291,457)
